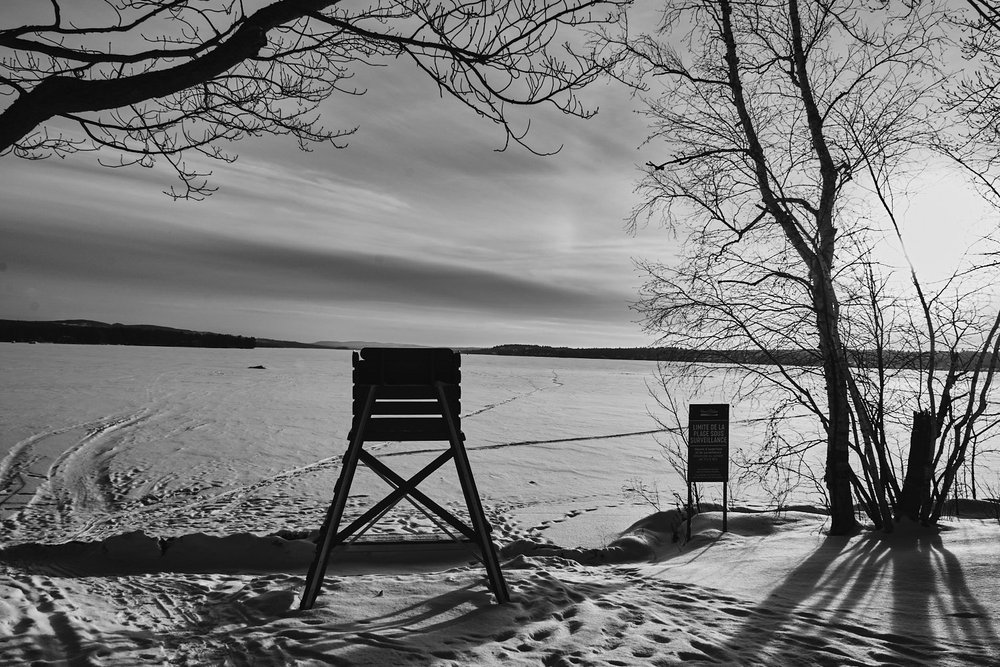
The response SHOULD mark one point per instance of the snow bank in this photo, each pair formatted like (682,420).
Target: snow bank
(137,552)
(774,589)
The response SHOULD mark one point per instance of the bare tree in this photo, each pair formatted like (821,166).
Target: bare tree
(974,97)
(923,365)
(788,127)
(163,78)
(767,118)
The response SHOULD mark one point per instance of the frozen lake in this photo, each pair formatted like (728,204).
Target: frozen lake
(101,440)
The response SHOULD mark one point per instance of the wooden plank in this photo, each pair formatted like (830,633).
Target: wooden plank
(416,407)
(405,428)
(422,395)
(408,424)
(417,366)
(439,357)
(378,435)
(408,392)
(406,408)
(398,436)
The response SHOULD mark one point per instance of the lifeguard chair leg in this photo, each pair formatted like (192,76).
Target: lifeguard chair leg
(476,514)
(331,525)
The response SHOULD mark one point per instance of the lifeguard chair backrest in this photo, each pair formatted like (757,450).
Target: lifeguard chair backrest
(406,381)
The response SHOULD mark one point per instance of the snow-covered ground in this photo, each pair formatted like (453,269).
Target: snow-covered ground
(159,500)
(169,441)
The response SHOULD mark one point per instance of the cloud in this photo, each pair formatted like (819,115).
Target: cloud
(163,262)
(417,225)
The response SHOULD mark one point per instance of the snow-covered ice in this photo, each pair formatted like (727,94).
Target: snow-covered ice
(158,502)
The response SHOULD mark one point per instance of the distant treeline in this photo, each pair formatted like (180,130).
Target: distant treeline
(858,358)
(791,357)
(89,332)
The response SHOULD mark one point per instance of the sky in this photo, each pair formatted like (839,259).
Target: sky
(417,232)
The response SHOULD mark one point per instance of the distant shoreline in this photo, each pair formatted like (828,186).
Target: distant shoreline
(91,332)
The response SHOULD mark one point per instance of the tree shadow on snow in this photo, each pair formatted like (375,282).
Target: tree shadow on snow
(832,600)
(932,599)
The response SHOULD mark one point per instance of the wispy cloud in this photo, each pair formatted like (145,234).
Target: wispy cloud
(417,231)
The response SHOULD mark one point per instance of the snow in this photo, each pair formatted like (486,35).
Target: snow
(171,496)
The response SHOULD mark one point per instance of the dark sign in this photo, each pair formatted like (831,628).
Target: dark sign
(708,442)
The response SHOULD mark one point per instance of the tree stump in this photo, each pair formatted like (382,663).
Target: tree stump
(916,491)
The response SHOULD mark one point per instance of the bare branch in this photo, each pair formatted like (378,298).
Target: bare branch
(212,73)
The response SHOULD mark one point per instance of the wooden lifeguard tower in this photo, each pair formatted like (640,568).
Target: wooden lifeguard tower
(411,394)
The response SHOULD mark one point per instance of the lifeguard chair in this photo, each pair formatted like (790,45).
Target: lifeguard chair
(405,395)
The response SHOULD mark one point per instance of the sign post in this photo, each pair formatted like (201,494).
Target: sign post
(708,452)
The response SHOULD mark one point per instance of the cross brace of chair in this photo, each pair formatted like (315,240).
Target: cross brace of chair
(331,535)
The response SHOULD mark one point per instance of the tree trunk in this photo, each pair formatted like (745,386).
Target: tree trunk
(838,467)
(916,492)
(816,250)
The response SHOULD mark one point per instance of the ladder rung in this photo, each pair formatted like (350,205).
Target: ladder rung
(416,391)
(406,408)
(379,435)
